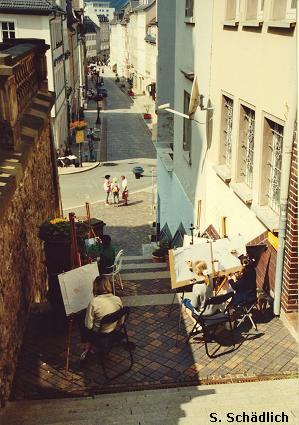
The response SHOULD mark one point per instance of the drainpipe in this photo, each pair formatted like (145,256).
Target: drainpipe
(284,191)
(285,180)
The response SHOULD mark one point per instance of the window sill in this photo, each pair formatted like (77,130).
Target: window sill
(223,172)
(282,23)
(230,23)
(165,154)
(268,217)
(189,20)
(243,192)
(254,23)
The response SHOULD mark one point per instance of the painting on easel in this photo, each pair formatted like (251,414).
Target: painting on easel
(220,255)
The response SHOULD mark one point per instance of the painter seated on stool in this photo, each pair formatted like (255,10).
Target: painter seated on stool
(102,303)
(244,283)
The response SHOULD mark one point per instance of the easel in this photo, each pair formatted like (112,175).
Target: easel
(75,262)
(91,232)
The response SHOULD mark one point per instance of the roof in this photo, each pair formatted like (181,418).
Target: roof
(144,6)
(89,25)
(30,6)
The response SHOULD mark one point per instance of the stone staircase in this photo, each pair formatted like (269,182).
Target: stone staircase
(176,406)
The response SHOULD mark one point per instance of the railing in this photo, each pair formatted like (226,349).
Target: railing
(26,81)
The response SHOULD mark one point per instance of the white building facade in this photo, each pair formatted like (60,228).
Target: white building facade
(236,157)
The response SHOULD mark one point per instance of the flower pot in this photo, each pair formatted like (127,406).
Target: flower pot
(137,175)
(58,255)
(147,116)
(158,259)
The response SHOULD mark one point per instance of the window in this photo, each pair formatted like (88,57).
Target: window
(189,8)
(227,126)
(254,10)
(284,9)
(232,10)
(273,142)
(8,30)
(247,123)
(187,124)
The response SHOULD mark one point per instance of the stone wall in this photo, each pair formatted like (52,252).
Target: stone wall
(29,198)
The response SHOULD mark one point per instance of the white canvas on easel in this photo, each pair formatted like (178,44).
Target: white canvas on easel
(224,261)
(76,287)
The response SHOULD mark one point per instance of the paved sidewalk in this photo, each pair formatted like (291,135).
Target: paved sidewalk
(195,405)
(86,166)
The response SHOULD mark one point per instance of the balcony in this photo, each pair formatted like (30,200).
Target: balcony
(23,79)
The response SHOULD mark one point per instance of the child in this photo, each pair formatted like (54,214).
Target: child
(125,193)
(107,187)
(115,191)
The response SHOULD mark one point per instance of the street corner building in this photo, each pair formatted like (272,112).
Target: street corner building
(28,190)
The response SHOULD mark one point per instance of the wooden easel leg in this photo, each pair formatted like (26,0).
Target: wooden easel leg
(68,343)
(180,319)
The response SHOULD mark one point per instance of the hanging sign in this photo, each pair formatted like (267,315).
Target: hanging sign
(80,136)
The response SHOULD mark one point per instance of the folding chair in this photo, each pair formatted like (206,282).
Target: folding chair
(115,270)
(104,342)
(208,322)
(244,311)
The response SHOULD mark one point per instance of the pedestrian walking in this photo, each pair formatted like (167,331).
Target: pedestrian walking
(125,192)
(115,191)
(107,187)
(90,139)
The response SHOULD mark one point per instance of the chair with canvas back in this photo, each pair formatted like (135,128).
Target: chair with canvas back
(207,324)
(245,297)
(104,342)
(115,269)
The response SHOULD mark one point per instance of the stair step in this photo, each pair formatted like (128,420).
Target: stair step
(138,266)
(146,275)
(137,258)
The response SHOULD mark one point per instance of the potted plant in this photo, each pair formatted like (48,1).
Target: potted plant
(160,255)
(138,170)
(56,236)
(130,92)
(147,115)
(78,125)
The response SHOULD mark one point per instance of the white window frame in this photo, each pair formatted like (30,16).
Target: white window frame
(228,102)
(9,21)
(273,203)
(247,147)
(290,11)
(260,10)
(236,16)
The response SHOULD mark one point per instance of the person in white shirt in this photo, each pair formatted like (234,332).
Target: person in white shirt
(115,191)
(125,192)
(102,303)
(107,187)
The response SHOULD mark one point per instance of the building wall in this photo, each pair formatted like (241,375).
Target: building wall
(23,274)
(289,297)
(118,51)
(166,14)
(174,206)
(187,165)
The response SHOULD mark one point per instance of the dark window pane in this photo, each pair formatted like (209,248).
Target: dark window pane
(5,35)
(4,26)
(12,35)
(11,25)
